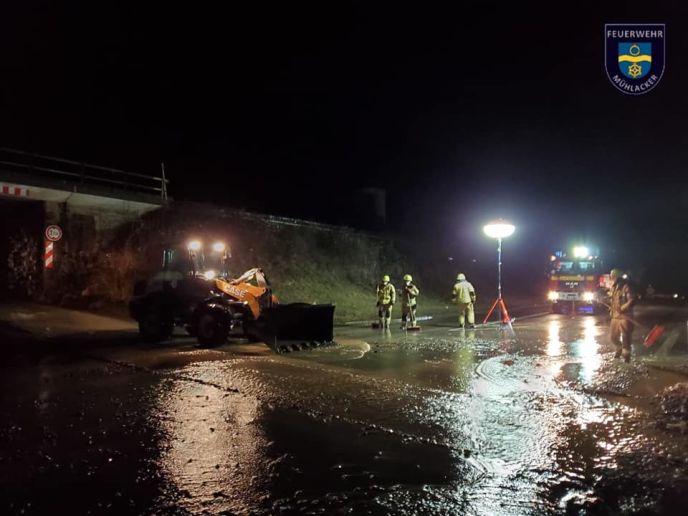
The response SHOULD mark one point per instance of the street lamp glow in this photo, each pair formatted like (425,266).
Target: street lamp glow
(499,229)
(580,252)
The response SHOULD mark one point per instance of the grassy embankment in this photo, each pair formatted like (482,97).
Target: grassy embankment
(305,262)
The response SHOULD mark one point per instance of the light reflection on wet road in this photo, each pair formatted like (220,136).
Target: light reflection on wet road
(476,422)
(502,407)
(208,440)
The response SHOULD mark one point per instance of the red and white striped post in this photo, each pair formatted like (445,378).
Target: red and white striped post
(53,233)
(49,254)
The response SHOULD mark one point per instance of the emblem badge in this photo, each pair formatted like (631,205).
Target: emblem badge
(634,56)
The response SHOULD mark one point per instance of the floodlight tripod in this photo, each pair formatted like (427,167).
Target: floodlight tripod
(499,302)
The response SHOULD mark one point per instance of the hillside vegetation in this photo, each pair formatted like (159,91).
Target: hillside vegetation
(304,261)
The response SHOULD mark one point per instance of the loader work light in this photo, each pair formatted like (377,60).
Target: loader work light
(219,247)
(580,252)
(194,245)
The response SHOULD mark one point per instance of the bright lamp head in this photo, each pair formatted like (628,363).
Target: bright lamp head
(580,252)
(499,229)
(219,247)
(194,245)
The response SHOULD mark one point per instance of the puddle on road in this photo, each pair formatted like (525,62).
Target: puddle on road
(476,422)
(473,422)
(422,359)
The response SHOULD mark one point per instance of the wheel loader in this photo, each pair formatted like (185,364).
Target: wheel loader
(198,293)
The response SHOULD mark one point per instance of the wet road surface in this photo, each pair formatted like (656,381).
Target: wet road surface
(485,421)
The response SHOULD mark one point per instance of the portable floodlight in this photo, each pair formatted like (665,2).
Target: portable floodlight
(499,230)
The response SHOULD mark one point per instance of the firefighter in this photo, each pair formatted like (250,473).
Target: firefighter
(409,293)
(622,299)
(464,297)
(386,297)
(650,292)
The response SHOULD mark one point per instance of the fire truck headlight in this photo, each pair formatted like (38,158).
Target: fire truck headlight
(209,275)
(552,296)
(588,296)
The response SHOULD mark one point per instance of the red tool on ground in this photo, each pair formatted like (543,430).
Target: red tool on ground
(654,334)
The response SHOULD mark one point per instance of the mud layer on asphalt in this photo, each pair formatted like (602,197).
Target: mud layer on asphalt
(538,420)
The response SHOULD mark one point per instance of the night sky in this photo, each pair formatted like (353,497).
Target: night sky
(462,113)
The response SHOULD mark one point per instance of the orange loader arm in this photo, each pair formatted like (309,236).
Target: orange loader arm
(241,290)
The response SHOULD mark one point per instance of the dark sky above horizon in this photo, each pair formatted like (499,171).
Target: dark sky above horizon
(462,112)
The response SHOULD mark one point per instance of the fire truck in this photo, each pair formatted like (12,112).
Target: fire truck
(577,282)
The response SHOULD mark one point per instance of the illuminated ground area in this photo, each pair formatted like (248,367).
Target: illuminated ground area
(441,421)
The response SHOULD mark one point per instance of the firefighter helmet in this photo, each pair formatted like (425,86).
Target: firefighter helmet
(461,277)
(407,277)
(385,278)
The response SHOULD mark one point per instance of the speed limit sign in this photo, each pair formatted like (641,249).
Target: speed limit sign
(53,233)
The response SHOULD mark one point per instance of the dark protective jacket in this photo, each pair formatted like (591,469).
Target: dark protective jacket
(622,300)
(408,294)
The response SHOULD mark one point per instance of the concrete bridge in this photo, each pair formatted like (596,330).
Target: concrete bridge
(88,202)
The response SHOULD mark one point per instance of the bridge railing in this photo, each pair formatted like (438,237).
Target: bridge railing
(77,172)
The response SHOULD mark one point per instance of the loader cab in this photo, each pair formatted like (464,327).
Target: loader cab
(197,260)
(187,269)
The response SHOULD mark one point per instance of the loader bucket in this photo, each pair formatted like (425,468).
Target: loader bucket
(296,326)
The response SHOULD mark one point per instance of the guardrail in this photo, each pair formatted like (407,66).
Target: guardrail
(78,172)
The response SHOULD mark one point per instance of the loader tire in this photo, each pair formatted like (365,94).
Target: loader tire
(153,327)
(211,329)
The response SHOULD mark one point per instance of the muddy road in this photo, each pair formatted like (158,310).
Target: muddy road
(540,420)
